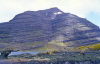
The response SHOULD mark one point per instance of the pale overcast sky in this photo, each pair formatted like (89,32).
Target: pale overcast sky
(89,9)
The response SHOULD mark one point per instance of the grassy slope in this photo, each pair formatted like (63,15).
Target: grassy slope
(92,47)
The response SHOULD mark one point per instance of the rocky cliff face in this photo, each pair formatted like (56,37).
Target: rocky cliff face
(37,28)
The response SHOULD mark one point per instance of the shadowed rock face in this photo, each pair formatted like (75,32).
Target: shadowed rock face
(46,25)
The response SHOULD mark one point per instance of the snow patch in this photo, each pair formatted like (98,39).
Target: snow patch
(56,13)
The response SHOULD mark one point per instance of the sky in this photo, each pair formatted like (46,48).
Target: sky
(89,9)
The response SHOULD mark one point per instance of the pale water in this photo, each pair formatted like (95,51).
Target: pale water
(18,53)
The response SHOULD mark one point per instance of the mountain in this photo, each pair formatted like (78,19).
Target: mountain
(48,29)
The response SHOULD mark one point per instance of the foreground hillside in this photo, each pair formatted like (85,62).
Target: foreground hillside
(50,29)
(55,58)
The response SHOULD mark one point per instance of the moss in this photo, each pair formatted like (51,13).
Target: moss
(92,47)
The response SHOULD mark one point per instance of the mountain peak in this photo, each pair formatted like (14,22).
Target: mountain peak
(50,27)
(48,13)
(55,9)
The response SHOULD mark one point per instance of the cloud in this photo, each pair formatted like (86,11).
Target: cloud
(81,7)
(9,8)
